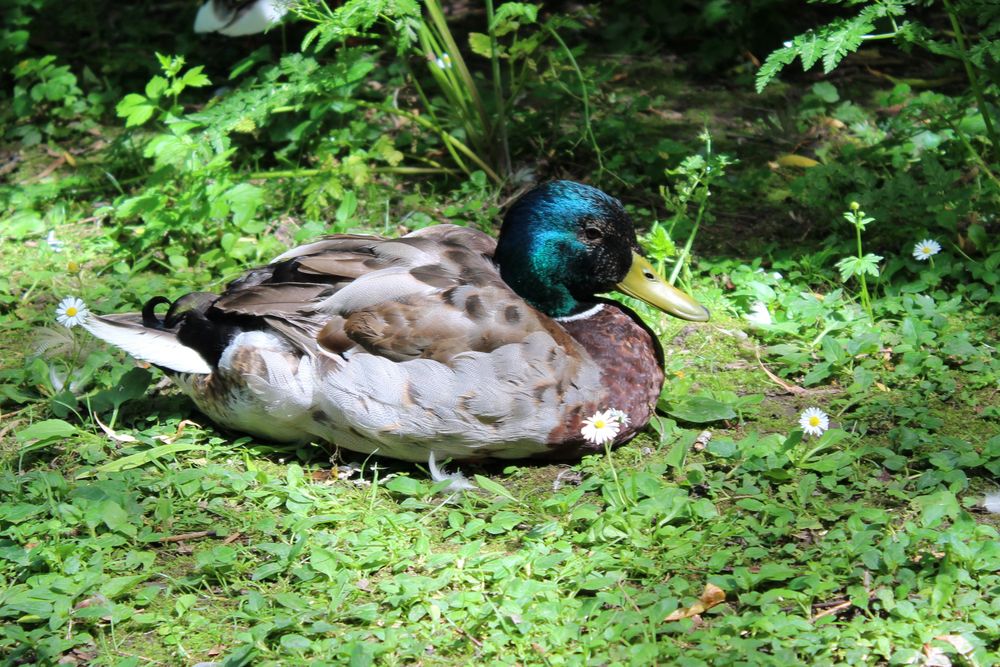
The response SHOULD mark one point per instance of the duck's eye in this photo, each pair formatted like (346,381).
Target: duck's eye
(593,233)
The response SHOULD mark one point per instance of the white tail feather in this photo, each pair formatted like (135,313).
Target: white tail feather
(157,347)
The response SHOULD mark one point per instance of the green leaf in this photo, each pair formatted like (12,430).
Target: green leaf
(155,87)
(857,266)
(405,486)
(47,430)
(510,15)
(840,42)
(244,200)
(480,44)
(937,506)
(325,562)
(774,64)
(495,488)
(295,643)
(140,459)
(698,409)
(194,78)
(135,109)
(826,91)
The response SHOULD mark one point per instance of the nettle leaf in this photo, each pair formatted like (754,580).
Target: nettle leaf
(774,64)
(480,44)
(810,48)
(858,266)
(510,15)
(840,42)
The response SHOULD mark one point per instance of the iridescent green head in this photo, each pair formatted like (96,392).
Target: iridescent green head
(564,242)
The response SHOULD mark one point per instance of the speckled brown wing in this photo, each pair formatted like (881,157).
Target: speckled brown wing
(432,294)
(440,296)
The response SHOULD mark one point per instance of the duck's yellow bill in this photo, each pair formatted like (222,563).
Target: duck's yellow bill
(643,282)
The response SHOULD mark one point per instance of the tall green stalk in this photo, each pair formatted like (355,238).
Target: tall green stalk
(866,301)
(501,119)
(970,71)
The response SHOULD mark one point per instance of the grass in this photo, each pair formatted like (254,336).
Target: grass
(159,539)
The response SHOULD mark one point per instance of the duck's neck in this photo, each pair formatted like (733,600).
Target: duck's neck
(536,272)
(629,356)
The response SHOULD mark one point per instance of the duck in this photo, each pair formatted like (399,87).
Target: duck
(443,342)
(235,18)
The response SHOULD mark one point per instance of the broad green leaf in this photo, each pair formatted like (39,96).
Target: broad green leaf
(406,486)
(195,78)
(155,87)
(698,409)
(325,562)
(48,429)
(488,484)
(140,459)
(135,109)
(937,506)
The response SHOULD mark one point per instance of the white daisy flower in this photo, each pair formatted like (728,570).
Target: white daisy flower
(600,427)
(814,421)
(926,249)
(444,62)
(71,312)
(620,416)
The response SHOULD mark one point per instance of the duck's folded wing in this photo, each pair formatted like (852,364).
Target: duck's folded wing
(430,295)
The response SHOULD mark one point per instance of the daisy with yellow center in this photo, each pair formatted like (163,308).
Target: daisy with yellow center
(926,249)
(814,421)
(601,427)
(71,312)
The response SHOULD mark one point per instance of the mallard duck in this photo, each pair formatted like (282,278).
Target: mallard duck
(442,342)
(236,18)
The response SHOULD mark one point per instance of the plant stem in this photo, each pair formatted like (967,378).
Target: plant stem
(686,250)
(303,173)
(446,137)
(584,96)
(451,48)
(972,151)
(865,300)
(501,119)
(970,71)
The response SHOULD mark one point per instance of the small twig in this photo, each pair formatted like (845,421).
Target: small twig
(462,631)
(832,610)
(790,388)
(183,537)
(232,538)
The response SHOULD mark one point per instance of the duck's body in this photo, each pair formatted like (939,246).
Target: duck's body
(236,18)
(415,345)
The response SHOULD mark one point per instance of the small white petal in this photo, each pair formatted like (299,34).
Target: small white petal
(620,416)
